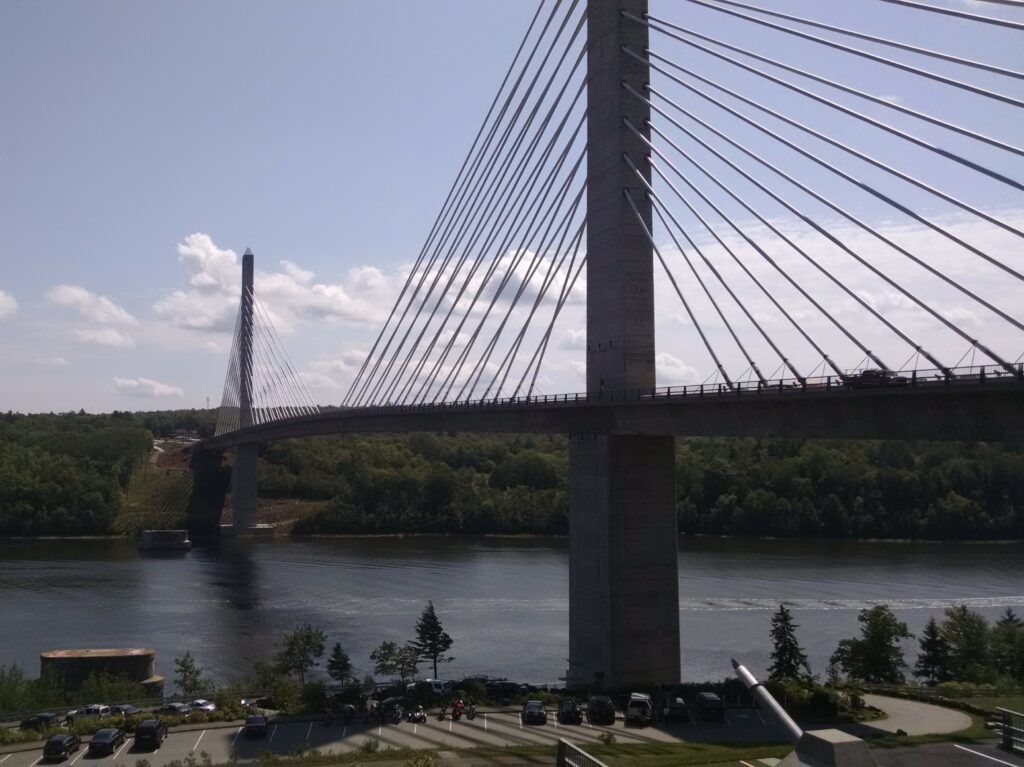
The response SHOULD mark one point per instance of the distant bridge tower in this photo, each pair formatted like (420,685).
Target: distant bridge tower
(243,475)
(623,572)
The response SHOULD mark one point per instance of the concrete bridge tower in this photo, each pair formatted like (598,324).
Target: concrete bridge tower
(623,573)
(243,475)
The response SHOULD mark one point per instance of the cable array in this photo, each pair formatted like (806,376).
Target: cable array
(474,318)
(261,371)
(816,217)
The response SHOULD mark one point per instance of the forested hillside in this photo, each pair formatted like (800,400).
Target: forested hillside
(66,475)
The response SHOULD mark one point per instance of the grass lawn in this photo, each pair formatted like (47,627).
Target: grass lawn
(1012,702)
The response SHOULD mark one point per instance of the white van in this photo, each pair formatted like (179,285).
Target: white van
(439,687)
(639,710)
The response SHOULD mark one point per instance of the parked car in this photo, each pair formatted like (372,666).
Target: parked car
(256,726)
(106,741)
(176,709)
(875,377)
(440,686)
(150,733)
(95,709)
(600,710)
(41,722)
(569,712)
(639,710)
(201,704)
(534,713)
(673,709)
(710,706)
(60,747)
(125,710)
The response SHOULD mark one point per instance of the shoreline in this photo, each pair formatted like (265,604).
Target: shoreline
(528,537)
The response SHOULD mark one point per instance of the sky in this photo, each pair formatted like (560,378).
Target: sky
(145,146)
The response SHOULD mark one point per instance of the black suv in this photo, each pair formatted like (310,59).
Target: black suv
(150,733)
(255,726)
(600,710)
(533,713)
(569,712)
(60,747)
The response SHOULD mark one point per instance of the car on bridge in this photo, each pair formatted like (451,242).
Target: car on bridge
(871,377)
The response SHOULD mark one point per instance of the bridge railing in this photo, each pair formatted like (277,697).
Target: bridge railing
(855,380)
(574,756)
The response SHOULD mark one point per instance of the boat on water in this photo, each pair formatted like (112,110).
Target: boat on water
(164,540)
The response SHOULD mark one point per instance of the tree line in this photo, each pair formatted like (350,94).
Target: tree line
(65,474)
(961,647)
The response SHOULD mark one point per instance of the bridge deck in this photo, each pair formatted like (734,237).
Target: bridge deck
(989,409)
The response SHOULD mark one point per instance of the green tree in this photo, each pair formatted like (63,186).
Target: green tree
(966,633)
(339,667)
(1007,646)
(933,658)
(188,676)
(789,661)
(431,641)
(389,659)
(299,651)
(876,656)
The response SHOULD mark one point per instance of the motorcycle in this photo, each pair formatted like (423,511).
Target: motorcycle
(441,713)
(396,715)
(457,711)
(471,712)
(419,716)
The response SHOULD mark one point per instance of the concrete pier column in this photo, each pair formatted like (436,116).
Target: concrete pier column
(623,573)
(243,486)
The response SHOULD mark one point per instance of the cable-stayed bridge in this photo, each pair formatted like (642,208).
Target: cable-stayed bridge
(756,165)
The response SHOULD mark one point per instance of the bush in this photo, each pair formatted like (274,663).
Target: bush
(369,746)
(314,697)
(424,759)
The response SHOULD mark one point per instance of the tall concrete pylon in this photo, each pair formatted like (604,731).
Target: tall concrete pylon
(623,571)
(243,474)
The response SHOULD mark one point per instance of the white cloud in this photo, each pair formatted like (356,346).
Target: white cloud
(52,362)
(8,305)
(291,297)
(146,387)
(674,369)
(573,338)
(319,381)
(90,305)
(104,337)
(347,362)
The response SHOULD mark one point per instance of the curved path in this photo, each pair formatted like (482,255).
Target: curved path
(914,717)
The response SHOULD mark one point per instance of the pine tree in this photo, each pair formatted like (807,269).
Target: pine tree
(789,661)
(933,660)
(188,676)
(1009,618)
(876,656)
(339,667)
(431,641)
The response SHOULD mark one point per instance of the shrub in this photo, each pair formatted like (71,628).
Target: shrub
(424,759)
(369,746)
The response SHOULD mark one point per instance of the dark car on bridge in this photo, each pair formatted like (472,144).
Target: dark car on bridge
(534,713)
(60,747)
(569,712)
(41,722)
(150,733)
(871,377)
(255,726)
(600,710)
(106,741)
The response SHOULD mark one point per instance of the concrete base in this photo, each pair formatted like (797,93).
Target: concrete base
(830,748)
(243,486)
(256,531)
(623,570)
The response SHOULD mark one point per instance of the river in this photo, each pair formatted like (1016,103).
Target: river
(504,601)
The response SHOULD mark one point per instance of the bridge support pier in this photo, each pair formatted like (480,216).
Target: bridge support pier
(243,487)
(623,566)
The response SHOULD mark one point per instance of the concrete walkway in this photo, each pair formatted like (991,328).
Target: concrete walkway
(914,717)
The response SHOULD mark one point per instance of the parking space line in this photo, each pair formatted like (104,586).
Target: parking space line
(123,747)
(5,759)
(984,756)
(380,729)
(344,731)
(758,712)
(237,733)
(726,715)
(450,723)
(273,732)
(746,764)
(415,727)
(198,739)
(81,753)
(308,731)
(485,722)
(37,761)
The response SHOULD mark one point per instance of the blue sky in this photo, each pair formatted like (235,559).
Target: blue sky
(143,146)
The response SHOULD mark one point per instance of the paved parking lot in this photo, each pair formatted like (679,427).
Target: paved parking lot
(488,729)
(948,755)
